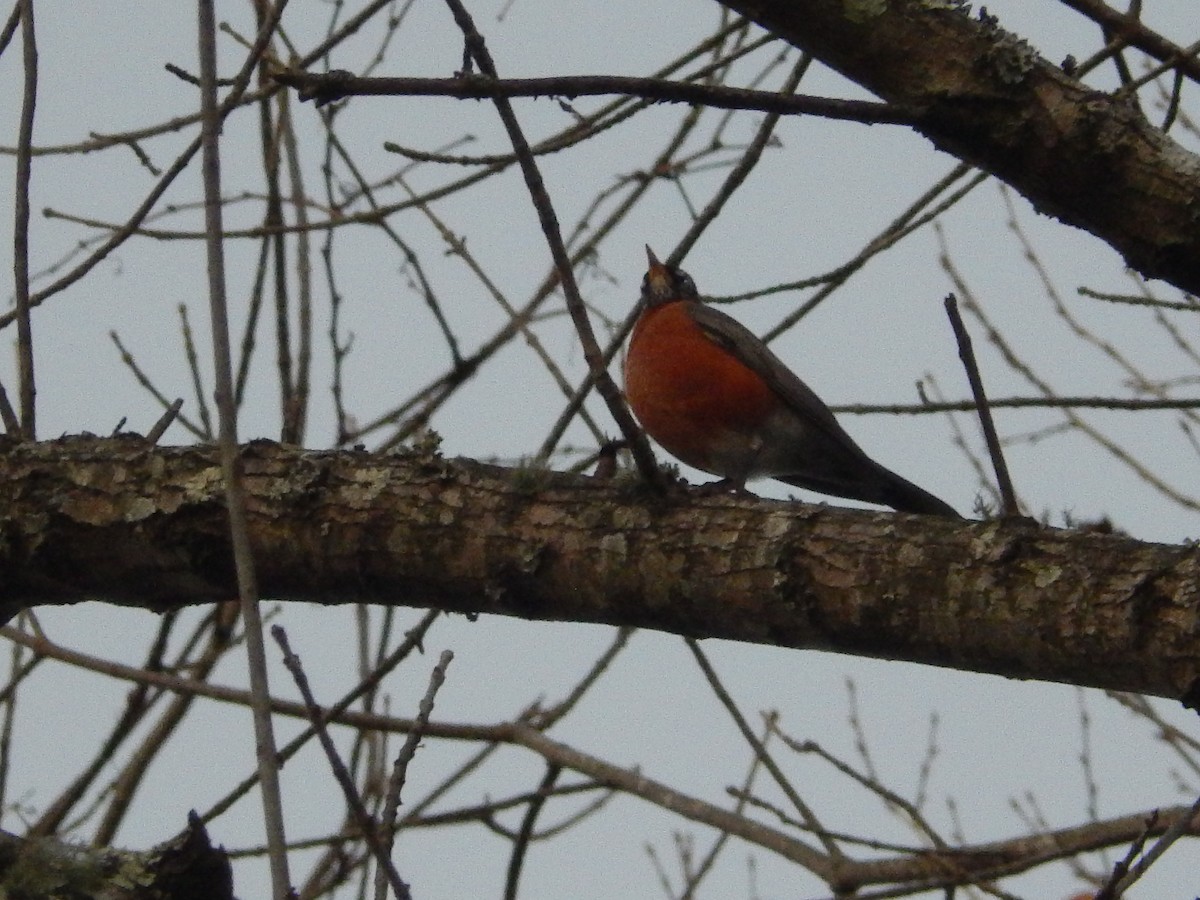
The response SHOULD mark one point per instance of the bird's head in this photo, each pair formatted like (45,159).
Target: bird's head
(664,284)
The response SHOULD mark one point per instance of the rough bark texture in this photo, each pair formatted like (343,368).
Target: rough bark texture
(120,521)
(187,868)
(1085,157)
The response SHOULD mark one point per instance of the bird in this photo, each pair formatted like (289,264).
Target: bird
(714,396)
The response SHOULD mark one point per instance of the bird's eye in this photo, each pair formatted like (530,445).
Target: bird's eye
(686,285)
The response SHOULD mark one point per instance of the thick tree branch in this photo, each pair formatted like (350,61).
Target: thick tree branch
(121,521)
(1085,157)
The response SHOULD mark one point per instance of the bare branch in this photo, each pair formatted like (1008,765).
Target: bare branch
(331,86)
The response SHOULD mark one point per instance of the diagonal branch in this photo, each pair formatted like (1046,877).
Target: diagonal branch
(1088,158)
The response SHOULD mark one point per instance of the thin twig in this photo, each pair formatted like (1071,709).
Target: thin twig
(1126,404)
(10,26)
(295,412)
(810,819)
(412,640)
(277,253)
(18,671)
(327,87)
(253,311)
(26,390)
(1184,825)
(967,354)
(476,50)
(1111,889)
(1183,744)
(1022,368)
(164,421)
(268,764)
(193,361)
(525,834)
(133,774)
(367,826)
(144,380)
(8,415)
(400,769)
(491,807)
(236,97)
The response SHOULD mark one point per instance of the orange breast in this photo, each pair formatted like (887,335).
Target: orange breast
(700,402)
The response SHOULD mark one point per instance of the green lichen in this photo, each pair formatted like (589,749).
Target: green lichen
(46,869)
(530,476)
(427,443)
(1009,58)
(859,11)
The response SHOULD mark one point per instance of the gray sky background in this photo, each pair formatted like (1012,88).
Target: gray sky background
(812,203)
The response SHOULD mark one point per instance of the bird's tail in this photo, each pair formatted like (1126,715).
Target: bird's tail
(902,495)
(870,482)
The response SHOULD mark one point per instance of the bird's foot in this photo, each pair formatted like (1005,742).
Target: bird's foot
(725,486)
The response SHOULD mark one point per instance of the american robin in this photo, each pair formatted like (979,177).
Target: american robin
(714,395)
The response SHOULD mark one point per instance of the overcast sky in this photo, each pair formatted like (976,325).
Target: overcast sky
(812,203)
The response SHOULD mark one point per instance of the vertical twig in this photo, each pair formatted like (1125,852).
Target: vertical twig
(400,769)
(193,361)
(25,388)
(268,766)
(967,354)
(525,833)
(17,670)
(253,312)
(295,415)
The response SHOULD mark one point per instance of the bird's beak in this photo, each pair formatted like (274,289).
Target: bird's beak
(658,275)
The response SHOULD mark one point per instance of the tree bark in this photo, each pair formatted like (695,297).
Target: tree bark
(1086,157)
(186,868)
(121,521)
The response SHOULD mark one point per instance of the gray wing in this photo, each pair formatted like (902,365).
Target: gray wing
(799,397)
(824,457)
